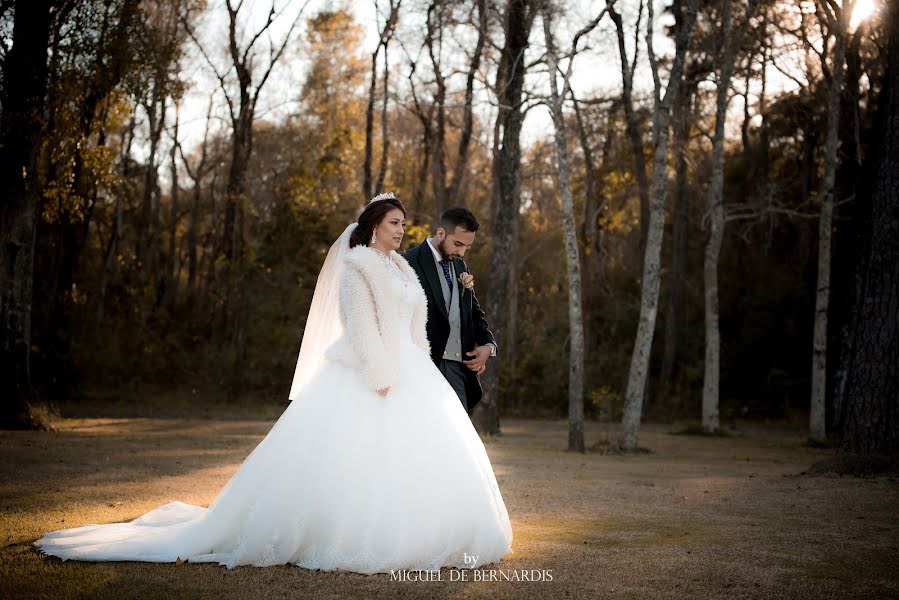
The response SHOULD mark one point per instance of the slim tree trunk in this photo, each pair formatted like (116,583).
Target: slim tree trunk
(456,187)
(677,279)
(634,134)
(594,206)
(385,139)
(711,382)
(384,40)
(235,188)
(147,229)
(421,181)
(367,187)
(650,282)
(193,225)
(817,419)
(572,260)
(110,264)
(438,147)
(171,288)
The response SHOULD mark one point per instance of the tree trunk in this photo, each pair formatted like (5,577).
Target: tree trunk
(872,390)
(572,260)
(506,194)
(849,238)
(110,264)
(171,288)
(649,293)
(457,184)
(817,413)
(193,226)
(594,206)
(21,131)
(242,60)
(235,189)
(147,229)
(711,382)
(634,135)
(369,128)
(438,147)
(677,280)
(384,40)
(419,189)
(385,139)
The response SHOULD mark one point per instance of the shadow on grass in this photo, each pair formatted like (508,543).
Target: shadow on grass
(45,466)
(608,447)
(856,466)
(696,428)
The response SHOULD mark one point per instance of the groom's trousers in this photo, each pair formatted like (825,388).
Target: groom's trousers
(454,372)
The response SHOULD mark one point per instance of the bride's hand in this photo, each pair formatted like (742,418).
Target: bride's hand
(383,391)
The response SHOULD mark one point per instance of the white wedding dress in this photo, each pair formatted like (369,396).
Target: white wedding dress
(346,479)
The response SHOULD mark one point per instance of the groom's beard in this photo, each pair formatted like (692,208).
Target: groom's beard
(441,248)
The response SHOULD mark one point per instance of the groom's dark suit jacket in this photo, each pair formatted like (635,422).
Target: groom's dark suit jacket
(475,331)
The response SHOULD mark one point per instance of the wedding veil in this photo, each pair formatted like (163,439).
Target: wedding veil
(323,325)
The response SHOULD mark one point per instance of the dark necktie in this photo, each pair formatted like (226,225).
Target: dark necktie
(447,273)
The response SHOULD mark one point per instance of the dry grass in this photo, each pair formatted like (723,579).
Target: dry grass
(698,517)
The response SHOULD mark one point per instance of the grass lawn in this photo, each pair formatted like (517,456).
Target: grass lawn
(700,517)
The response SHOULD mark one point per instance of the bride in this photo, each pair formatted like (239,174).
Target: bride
(374,466)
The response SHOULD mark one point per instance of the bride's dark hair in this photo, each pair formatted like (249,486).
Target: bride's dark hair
(369,219)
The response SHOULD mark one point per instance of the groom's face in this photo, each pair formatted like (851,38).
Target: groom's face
(454,245)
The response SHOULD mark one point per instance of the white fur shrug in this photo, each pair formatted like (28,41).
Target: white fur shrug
(369,297)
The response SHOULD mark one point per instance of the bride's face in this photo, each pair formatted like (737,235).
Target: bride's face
(391,229)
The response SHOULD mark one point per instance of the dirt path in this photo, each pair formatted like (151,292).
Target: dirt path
(700,517)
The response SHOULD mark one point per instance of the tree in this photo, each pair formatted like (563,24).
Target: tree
(836,19)
(675,306)
(572,258)
(733,40)
(634,131)
(649,291)
(872,387)
(387,32)
(21,132)
(197,173)
(242,112)
(98,52)
(241,104)
(519,17)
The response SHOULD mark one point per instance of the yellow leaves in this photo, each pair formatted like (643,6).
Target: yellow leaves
(605,402)
(621,220)
(79,174)
(416,234)
(60,200)
(617,180)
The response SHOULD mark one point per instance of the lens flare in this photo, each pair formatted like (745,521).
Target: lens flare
(861,11)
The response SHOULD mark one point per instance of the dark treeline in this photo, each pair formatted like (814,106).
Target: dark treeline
(724,213)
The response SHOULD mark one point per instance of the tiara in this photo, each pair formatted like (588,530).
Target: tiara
(384,196)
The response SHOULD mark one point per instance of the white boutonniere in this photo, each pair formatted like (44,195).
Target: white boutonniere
(467,280)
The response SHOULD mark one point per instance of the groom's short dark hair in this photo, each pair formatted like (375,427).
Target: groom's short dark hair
(458,216)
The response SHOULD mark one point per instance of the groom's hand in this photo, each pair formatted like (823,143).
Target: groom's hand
(478,364)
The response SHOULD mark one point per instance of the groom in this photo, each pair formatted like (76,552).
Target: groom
(458,333)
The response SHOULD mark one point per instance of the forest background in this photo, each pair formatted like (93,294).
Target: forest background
(665,190)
